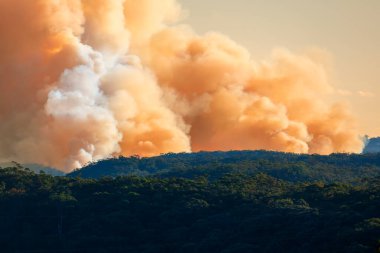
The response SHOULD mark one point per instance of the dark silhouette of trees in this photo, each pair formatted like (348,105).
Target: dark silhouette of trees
(233,212)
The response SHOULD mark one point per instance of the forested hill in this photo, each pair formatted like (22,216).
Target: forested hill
(233,214)
(37,168)
(215,202)
(285,166)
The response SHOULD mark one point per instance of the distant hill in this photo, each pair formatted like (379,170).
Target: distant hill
(48,170)
(285,166)
(37,168)
(373,146)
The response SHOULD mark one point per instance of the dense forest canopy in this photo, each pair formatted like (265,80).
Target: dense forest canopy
(178,210)
(286,166)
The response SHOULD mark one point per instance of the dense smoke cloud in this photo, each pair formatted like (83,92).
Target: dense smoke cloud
(82,80)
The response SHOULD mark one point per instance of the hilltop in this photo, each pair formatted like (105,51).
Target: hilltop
(285,166)
(37,168)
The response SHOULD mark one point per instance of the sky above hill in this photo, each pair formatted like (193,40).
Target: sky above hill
(347,30)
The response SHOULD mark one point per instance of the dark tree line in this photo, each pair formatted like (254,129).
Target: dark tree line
(238,212)
(287,166)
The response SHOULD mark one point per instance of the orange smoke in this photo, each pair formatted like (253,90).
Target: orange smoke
(82,80)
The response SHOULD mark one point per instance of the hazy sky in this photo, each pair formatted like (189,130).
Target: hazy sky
(348,29)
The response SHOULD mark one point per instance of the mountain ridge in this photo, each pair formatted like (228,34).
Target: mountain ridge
(37,168)
(286,166)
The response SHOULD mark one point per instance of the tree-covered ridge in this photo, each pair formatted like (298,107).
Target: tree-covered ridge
(286,166)
(234,213)
(37,168)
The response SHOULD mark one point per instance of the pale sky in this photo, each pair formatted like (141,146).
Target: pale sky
(348,29)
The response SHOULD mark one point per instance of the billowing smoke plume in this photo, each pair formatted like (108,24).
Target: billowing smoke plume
(82,80)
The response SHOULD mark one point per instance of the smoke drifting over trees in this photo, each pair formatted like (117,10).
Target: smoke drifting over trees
(81,80)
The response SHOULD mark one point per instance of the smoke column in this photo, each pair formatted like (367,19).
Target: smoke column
(82,80)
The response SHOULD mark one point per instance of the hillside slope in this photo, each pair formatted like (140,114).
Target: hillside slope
(286,166)
(234,214)
(37,168)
